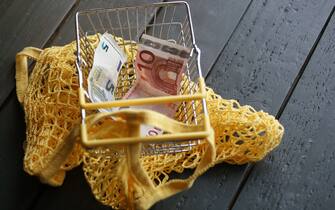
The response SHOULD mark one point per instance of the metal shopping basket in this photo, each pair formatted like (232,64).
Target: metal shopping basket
(170,21)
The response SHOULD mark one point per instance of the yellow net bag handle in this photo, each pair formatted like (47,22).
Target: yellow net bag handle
(21,75)
(141,189)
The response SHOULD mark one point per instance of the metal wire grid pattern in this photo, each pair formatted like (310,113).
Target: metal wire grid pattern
(172,23)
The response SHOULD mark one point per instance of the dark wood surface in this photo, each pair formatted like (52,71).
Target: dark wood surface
(18,190)
(261,61)
(268,48)
(300,174)
(26,23)
(254,52)
(22,23)
(214,22)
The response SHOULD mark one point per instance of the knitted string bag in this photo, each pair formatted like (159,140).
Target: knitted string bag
(120,176)
(50,102)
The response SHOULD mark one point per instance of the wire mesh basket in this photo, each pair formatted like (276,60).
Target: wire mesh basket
(169,21)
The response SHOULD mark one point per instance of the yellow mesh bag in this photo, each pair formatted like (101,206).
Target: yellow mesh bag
(50,100)
(242,134)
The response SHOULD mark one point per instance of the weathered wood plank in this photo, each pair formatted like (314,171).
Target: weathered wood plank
(257,67)
(266,52)
(25,23)
(22,23)
(213,21)
(300,174)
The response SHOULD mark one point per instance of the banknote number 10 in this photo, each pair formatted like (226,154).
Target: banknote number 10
(146,57)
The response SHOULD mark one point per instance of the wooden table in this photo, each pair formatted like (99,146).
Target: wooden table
(278,56)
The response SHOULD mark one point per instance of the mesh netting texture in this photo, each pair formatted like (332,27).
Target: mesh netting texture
(51,105)
(51,109)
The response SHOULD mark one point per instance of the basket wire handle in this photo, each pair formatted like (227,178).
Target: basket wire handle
(21,66)
(149,117)
(138,117)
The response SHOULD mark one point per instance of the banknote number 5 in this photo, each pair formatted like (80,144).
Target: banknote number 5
(104,46)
